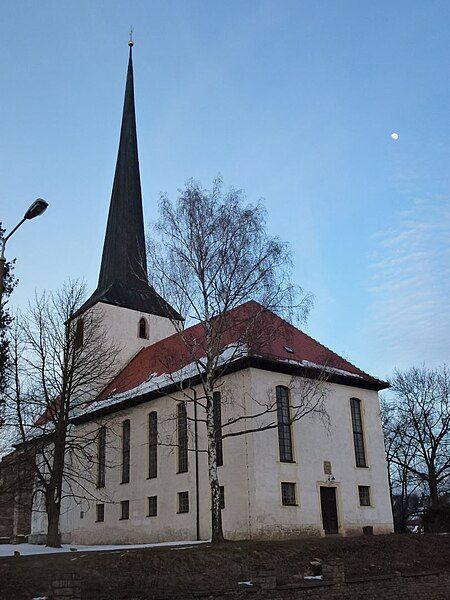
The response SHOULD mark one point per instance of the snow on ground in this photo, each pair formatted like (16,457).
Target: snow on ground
(29,549)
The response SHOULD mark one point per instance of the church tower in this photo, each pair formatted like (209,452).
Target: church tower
(136,315)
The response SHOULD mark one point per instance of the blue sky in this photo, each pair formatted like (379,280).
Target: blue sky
(293,101)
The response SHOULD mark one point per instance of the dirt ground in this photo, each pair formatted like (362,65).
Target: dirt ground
(172,571)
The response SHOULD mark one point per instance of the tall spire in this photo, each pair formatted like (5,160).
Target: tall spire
(123,256)
(123,271)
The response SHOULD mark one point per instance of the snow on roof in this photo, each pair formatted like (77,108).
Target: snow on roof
(177,358)
(156,382)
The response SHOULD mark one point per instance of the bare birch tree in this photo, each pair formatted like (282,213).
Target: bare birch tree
(60,364)
(210,254)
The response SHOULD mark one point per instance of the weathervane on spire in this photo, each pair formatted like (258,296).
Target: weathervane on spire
(131,43)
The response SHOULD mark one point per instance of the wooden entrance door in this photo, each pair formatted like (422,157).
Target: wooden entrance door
(329,510)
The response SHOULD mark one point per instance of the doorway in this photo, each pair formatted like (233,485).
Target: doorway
(329,510)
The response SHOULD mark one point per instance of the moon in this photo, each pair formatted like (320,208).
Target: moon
(394,136)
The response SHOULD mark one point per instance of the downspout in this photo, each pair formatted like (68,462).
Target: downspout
(197,499)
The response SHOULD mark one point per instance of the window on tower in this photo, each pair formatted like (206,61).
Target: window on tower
(143,333)
(79,331)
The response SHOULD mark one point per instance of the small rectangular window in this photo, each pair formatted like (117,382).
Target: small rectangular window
(182,438)
(183,502)
(217,412)
(364,495)
(288,494)
(358,435)
(152,506)
(125,509)
(152,445)
(100,513)
(126,451)
(101,457)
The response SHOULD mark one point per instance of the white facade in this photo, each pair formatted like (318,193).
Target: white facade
(252,472)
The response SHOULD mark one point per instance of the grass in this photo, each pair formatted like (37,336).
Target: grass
(148,572)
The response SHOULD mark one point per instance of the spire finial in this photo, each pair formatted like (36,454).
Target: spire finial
(130,42)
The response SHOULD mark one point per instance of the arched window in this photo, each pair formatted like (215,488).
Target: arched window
(358,434)
(143,329)
(152,444)
(182,438)
(126,435)
(284,424)
(79,331)
(101,458)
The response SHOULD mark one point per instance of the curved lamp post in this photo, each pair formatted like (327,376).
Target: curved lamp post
(36,209)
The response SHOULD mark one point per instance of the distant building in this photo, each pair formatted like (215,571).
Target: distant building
(16,489)
(298,478)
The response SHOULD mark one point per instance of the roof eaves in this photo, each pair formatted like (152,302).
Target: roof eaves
(246,362)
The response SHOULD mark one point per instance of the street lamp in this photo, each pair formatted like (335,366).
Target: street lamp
(36,209)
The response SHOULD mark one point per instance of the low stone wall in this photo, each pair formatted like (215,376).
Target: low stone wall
(334,586)
(430,586)
(66,587)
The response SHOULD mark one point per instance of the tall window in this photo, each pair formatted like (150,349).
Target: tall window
(79,332)
(182,438)
(126,451)
(101,456)
(358,436)
(217,411)
(152,445)
(284,424)
(143,329)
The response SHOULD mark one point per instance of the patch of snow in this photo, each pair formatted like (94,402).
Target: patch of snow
(308,363)
(154,382)
(312,577)
(245,583)
(31,549)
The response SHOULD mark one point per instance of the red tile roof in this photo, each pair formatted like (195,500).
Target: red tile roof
(267,337)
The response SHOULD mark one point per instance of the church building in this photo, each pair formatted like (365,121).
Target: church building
(315,476)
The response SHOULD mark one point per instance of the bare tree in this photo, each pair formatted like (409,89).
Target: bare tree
(417,431)
(404,487)
(210,254)
(60,363)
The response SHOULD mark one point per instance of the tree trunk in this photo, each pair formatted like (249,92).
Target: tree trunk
(216,512)
(433,486)
(54,490)
(53,534)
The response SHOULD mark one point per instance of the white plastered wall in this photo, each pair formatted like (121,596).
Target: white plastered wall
(168,524)
(314,443)
(251,474)
(122,326)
